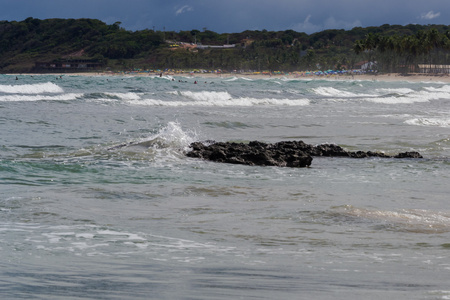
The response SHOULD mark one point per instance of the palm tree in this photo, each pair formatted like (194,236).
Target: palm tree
(432,42)
(358,47)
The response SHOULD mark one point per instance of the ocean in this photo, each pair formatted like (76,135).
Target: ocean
(98,200)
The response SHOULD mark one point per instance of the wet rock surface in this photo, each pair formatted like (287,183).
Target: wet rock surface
(295,154)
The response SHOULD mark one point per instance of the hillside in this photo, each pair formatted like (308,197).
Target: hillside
(91,44)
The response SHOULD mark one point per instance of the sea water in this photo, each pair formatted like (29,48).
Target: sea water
(98,200)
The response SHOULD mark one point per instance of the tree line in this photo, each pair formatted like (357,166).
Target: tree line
(393,47)
(402,53)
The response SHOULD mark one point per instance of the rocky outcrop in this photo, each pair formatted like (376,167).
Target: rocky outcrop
(283,154)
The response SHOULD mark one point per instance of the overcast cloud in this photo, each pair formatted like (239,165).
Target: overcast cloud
(235,15)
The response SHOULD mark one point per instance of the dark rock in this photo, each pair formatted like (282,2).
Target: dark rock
(253,154)
(295,154)
(412,154)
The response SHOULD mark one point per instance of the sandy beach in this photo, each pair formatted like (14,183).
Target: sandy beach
(413,77)
(379,77)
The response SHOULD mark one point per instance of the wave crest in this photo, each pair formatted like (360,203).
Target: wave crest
(439,122)
(405,220)
(38,88)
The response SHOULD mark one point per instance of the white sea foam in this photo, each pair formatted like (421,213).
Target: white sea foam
(272,101)
(174,135)
(443,89)
(232,79)
(207,96)
(38,88)
(97,241)
(156,102)
(399,91)
(333,92)
(219,99)
(61,97)
(409,96)
(412,220)
(124,96)
(396,100)
(439,122)
(389,95)
(242,102)
(167,143)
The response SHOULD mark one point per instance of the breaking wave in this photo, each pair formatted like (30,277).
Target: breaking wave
(47,91)
(333,92)
(439,122)
(405,220)
(207,96)
(26,97)
(38,88)
(221,99)
(168,142)
(388,95)
(231,102)
(407,96)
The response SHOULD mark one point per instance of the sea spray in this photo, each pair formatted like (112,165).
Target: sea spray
(170,141)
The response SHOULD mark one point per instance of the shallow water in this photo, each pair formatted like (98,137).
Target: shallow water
(97,200)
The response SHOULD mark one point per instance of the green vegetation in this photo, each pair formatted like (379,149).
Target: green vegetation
(394,47)
(402,53)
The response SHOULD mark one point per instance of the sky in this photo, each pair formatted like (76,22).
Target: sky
(231,16)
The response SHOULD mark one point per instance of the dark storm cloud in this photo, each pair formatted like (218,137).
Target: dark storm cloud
(235,15)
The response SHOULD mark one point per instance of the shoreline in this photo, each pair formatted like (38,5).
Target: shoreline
(360,77)
(388,77)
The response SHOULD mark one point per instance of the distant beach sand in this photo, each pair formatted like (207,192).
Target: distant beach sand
(365,77)
(379,77)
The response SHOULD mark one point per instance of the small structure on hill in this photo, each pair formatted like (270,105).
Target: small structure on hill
(434,69)
(68,66)
(366,65)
